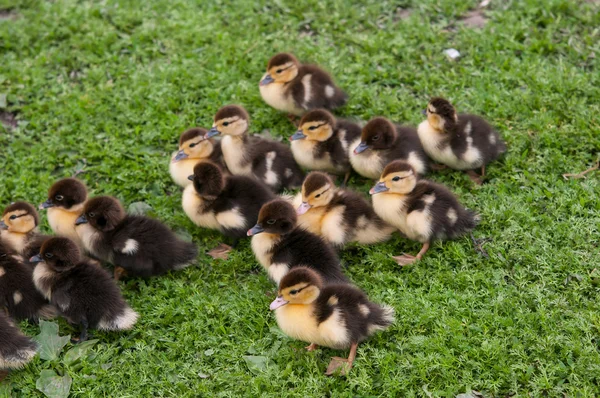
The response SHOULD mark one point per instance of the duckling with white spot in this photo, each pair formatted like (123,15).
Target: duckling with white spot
(459,141)
(422,210)
(338,316)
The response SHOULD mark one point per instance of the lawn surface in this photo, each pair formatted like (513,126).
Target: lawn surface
(108,86)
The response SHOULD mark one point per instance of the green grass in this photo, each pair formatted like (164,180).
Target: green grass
(110,85)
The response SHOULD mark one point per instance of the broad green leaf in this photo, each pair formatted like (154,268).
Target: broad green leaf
(256,363)
(3,101)
(80,350)
(52,385)
(139,208)
(50,343)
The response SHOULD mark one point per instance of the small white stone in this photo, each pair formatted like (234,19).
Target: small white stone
(452,53)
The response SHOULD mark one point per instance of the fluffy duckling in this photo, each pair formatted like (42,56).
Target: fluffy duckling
(193,147)
(461,142)
(382,142)
(137,245)
(321,143)
(280,245)
(291,87)
(66,199)
(84,292)
(18,294)
(269,161)
(18,228)
(420,209)
(338,316)
(16,349)
(339,216)
(229,204)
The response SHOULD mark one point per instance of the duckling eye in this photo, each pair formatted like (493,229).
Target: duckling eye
(225,124)
(375,138)
(59,197)
(312,128)
(279,71)
(13,217)
(192,145)
(91,215)
(318,196)
(396,178)
(49,255)
(292,292)
(271,222)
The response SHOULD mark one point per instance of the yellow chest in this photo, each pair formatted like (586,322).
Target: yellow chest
(15,240)
(367,164)
(390,208)
(275,95)
(442,153)
(303,151)
(233,153)
(180,171)
(262,245)
(62,223)
(192,206)
(312,219)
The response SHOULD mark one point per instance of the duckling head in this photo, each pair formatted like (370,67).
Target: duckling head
(379,133)
(300,286)
(68,194)
(230,120)
(194,144)
(19,217)
(275,217)
(207,179)
(60,254)
(103,213)
(398,177)
(441,115)
(316,125)
(282,68)
(317,191)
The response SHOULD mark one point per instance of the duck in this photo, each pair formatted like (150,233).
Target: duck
(338,316)
(136,245)
(340,216)
(66,199)
(321,143)
(193,147)
(18,295)
(19,229)
(84,292)
(459,141)
(382,142)
(422,210)
(269,161)
(229,204)
(16,349)
(279,244)
(291,87)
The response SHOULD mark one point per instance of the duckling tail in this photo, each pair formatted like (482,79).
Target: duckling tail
(380,318)
(186,253)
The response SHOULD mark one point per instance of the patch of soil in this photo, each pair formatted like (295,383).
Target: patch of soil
(474,19)
(402,13)
(8,120)
(6,15)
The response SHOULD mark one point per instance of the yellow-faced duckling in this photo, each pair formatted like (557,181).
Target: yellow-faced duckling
(382,142)
(229,204)
(66,199)
(16,349)
(84,292)
(321,143)
(340,216)
(422,210)
(291,87)
(338,316)
(269,161)
(136,245)
(279,244)
(461,142)
(193,147)
(18,294)
(18,228)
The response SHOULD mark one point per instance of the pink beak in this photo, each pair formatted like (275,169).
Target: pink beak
(303,208)
(278,302)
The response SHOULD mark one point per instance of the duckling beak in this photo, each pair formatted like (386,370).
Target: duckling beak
(257,229)
(378,188)
(278,302)
(424,111)
(361,147)
(46,205)
(298,135)
(266,80)
(81,220)
(36,259)
(180,156)
(191,178)
(303,208)
(3,225)
(212,132)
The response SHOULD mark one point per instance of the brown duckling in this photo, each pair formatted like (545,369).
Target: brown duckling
(291,87)
(18,228)
(338,316)
(16,349)
(461,142)
(340,216)
(322,142)
(422,210)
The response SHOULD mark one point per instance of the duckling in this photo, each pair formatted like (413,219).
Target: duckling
(136,245)
(337,316)
(269,161)
(84,292)
(381,142)
(339,216)
(279,244)
(420,209)
(66,199)
(16,349)
(321,143)
(291,87)
(18,294)
(18,228)
(193,147)
(461,142)
(228,204)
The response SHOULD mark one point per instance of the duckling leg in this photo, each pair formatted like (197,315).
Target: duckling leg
(83,332)
(343,364)
(406,259)
(346,178)
(476,178)
(311,347)
(119,273)
(483,171)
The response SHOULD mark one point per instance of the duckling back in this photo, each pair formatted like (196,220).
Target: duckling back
(16,349)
